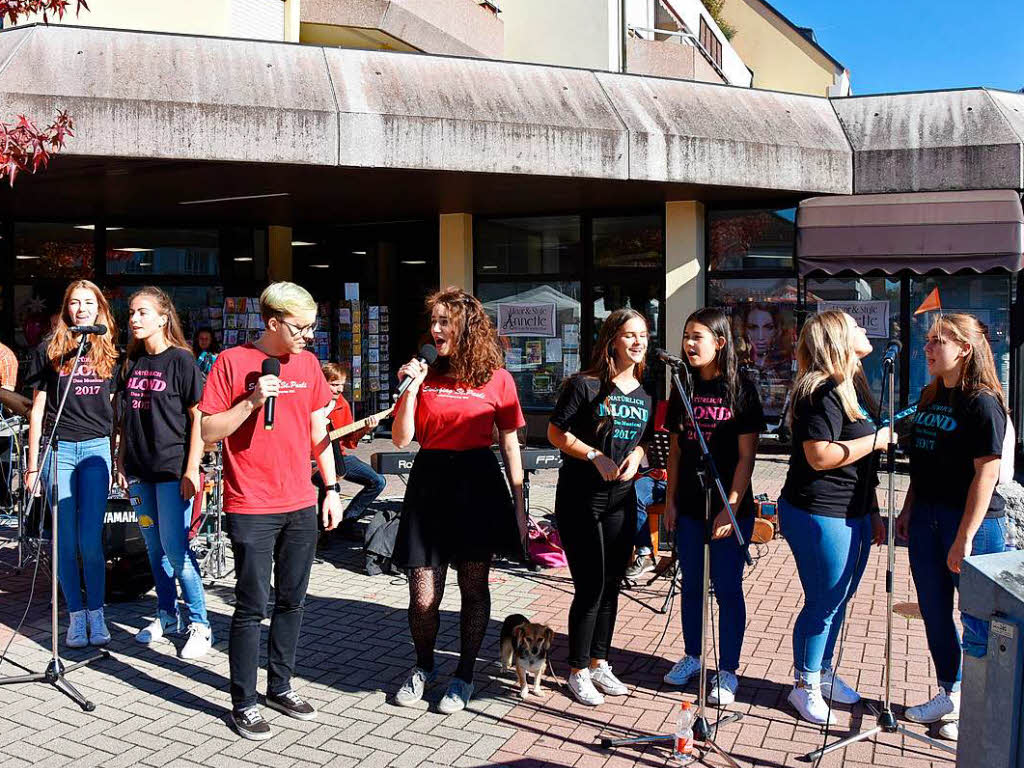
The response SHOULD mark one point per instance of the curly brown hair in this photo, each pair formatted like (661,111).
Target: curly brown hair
(477,351)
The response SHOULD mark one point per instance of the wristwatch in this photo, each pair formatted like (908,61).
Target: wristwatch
(591,454)
(336,487)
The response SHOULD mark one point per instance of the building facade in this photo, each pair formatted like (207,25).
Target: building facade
(209,165)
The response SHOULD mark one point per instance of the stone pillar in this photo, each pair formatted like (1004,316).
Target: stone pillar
(456,250)
(279,252)
(291,21)
(684,262)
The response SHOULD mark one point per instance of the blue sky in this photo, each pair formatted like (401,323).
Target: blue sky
(915,45)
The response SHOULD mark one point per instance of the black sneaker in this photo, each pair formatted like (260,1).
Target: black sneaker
(250,724)
(291,704)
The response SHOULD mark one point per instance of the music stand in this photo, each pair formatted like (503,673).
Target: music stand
(56,670)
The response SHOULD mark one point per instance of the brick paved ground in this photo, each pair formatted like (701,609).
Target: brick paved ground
(154,709)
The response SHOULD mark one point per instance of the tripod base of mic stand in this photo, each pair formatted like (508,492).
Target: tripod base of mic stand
(703,737)
(55,674)
(887,723)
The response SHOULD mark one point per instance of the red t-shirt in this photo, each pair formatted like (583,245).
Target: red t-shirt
(453,418)
(267,471)
(341,416)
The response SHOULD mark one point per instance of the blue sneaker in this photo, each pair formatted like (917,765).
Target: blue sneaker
(456,697)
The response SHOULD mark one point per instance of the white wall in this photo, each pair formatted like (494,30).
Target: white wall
(571,33)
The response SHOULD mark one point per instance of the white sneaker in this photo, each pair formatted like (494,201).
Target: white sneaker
(811,706)
(162,625)
(943,706)
(835,689)
(77,636)
(722,692)
(200,640)
(601,676)
(950,731)
(582,687)
(98,632)
(683,671)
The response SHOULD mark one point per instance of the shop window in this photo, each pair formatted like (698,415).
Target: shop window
(539,326)
(629,242)
(528,246)
(764,332)
(751,239)
(987,297)
(875,303)
(193,303)
(53,251)
(188,252)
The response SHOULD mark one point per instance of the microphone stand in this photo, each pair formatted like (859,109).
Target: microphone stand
(711,481)
(56,670)
(886,720)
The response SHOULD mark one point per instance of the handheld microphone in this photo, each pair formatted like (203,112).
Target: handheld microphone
(669,359)
(892,351)
(271,367)
(99,330)
(428,354)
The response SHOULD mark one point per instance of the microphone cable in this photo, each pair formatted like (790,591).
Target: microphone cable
(865,497)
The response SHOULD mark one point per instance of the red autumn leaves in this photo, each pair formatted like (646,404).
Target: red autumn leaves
(23,146)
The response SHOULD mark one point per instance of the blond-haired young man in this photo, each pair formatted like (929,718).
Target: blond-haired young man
(268,496)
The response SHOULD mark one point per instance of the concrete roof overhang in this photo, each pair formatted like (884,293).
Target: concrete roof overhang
(353,134)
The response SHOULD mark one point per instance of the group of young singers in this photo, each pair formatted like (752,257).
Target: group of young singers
(460,511)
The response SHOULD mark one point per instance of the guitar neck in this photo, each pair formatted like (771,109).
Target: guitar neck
(355,426)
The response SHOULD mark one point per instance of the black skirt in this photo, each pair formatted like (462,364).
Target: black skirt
(457,509)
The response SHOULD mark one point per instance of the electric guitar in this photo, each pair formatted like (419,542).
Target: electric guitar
(355,426)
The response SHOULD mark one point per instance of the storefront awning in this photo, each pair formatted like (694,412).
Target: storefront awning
(920,232)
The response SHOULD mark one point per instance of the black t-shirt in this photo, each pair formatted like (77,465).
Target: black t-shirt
(581,410)
(722,427)
(838,492)
(88,413)
(947,436)
(158,392)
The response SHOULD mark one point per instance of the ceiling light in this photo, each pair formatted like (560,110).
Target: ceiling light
(24,257)
(300,243)
(358,253)
(490,266)
(145,263)
(243,258)
(91,227)
(230,199)
(414,261)
(133,250)
(320,266)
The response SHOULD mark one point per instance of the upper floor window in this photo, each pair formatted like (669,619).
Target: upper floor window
(710,42)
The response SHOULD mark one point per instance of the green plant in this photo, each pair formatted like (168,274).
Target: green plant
(715,9)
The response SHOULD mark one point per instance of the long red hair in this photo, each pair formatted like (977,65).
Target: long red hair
(477,352)
(101,355)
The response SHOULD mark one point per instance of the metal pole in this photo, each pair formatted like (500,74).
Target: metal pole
(624,30)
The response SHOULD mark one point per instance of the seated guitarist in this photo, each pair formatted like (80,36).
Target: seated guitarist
(350,468)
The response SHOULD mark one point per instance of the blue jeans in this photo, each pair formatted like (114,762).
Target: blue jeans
(164,518)
(727,579)
(932,531)
(83,484)
(831,554)
(361,473)
(648,491)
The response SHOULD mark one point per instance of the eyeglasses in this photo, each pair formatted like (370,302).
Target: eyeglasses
(299,330)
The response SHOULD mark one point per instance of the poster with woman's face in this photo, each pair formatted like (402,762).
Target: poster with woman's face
(765,337)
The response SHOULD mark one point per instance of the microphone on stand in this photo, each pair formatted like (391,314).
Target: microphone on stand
(271,367)
(428,355)
(892,351)
(668,358)
(99,330)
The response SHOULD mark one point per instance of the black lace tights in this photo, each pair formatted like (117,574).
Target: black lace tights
(426,588)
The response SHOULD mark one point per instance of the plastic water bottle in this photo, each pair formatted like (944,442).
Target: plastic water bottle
(682,744)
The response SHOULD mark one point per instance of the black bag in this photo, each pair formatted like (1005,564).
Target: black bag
(379,543)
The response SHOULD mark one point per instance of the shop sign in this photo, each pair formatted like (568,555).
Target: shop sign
(872,316)
(526,320)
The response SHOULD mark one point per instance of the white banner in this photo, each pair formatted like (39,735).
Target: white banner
(526,320)
(872,316)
